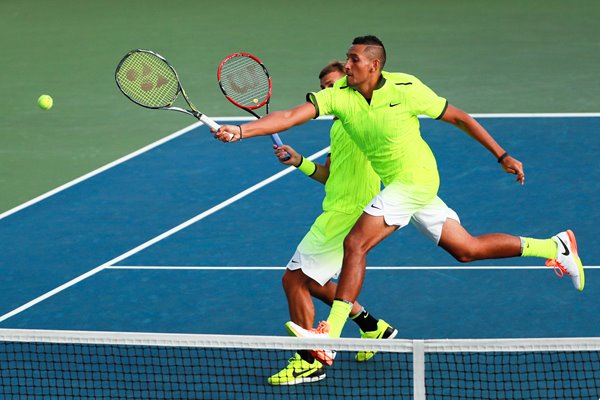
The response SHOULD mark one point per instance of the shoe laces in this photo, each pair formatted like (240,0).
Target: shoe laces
(323,327)
(559,270)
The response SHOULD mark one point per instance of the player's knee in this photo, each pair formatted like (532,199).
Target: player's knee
(463,251)
(464,255)
(353,244)
(287,281)
(292,280)
(463,258)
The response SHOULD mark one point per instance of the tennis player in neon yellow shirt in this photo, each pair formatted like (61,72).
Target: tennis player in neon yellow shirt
(379,111)
(350,183)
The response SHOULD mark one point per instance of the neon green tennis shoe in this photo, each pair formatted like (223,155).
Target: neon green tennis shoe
(384,331)
(298,371)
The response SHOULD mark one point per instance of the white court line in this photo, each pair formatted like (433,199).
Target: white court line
(158,238)
(51,293)
(228,268)
(99,170)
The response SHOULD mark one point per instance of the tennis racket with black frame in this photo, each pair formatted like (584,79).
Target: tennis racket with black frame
(246,83)
(149,80)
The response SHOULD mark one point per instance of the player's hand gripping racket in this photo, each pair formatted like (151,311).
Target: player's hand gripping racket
(147,79)
(245,81)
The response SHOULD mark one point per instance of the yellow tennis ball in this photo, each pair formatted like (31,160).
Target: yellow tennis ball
(255,101)
(45,102)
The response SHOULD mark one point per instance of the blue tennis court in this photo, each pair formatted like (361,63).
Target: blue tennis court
(159,242)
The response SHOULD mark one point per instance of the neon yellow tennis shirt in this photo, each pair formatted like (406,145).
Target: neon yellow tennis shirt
(352,183)
(387,130)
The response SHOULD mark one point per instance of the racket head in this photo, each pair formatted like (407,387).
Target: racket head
(147,79)
(244,80)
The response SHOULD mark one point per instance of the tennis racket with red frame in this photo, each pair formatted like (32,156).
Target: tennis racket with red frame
(246,83)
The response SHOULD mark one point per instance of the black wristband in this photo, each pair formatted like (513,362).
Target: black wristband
(241,135)
(300,163)
(502,157)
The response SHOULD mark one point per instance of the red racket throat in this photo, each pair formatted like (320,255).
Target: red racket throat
(244,81)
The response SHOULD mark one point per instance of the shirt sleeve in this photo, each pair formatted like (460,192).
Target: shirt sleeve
(322,100)
(424,101)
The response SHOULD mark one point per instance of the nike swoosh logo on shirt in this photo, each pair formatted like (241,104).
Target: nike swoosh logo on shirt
(566,252)
(394,104)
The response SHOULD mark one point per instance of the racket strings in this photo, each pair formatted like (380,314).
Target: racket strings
(147,80)
(245,81)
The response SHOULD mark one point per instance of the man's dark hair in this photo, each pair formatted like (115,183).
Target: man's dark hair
(331,67)
(375,46)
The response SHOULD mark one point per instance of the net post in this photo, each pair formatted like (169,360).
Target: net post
(419,369)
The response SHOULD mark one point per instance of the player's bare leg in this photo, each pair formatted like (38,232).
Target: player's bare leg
(300,304)
(299,288)
(466,248)
(366,234)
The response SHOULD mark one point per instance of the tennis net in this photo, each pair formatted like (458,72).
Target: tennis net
(40,364)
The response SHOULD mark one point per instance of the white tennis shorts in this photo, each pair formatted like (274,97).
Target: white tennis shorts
(399,208)
(319,255)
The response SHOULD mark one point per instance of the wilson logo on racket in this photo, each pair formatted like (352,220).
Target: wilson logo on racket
(244,82)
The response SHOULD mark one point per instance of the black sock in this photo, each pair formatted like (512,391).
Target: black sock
(306,356)
(365,321)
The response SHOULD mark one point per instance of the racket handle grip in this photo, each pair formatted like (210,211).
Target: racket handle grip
(277,140)
(208,121)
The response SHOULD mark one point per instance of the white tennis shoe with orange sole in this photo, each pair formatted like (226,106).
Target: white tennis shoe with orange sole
(321,331)
(567,259)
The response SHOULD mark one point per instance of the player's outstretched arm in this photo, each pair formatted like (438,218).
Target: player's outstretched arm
(275,122)
(318,172)
(468,124)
